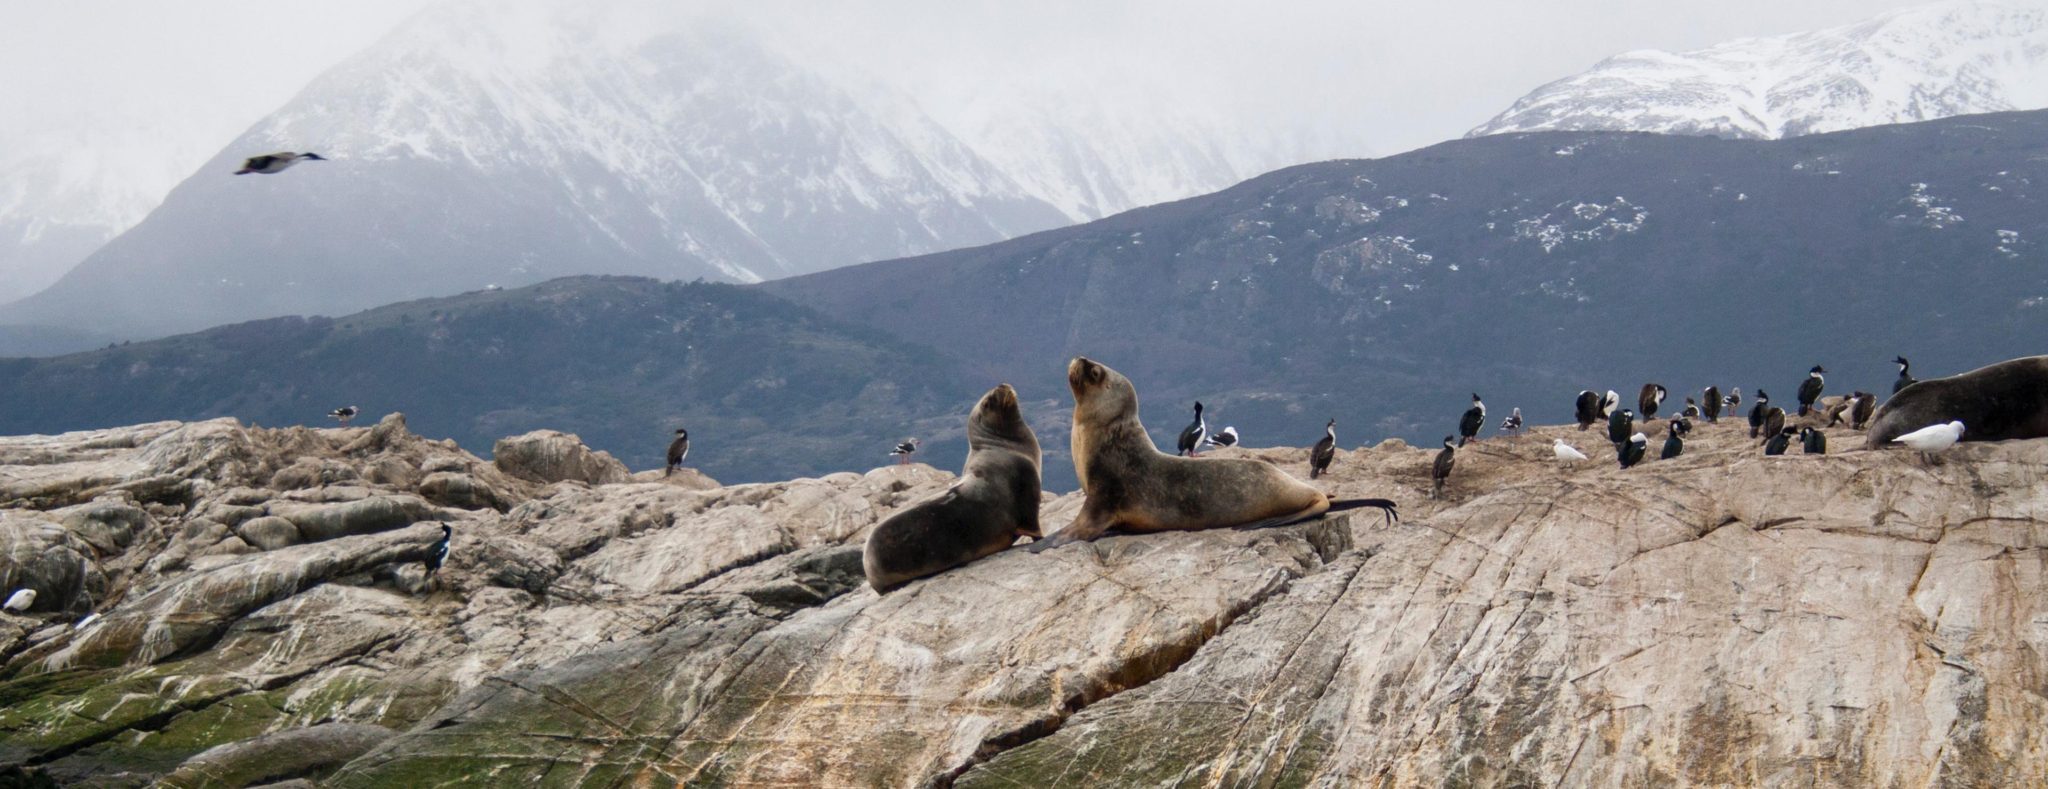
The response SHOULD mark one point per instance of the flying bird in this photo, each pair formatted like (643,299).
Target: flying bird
(273,163)
(1192,435)
(903,451)
(677,450)
(344,414)
(1325,451)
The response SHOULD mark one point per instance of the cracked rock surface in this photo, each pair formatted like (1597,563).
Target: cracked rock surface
(261,613)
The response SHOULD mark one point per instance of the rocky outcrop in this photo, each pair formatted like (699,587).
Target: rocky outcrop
(1724,618)
(546,456)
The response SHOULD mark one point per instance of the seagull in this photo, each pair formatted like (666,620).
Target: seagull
(1566,453)
(20,600)
(903,451)
(344,414)
(1512,424)
(1929,440)
(1227,438)
(273,163)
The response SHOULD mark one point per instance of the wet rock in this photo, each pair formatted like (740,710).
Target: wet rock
(547,456)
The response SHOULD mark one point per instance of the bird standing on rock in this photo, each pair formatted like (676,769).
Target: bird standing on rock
(1933,438)
(1756,412)
(344,414)
(1587,408)
(1226,438)
(1474,418)
(1441,469)
(1651,397)
(1325,451)
(1632,451)
(1620,425)
(273,163)
(677,450)
(1691,410)
(1711,409)
(1734,399)
(903,451)
(1813,441)
(1779,440)
(439,553)
(1859,417)
(1673,444)
(1774,420)
(1905,374)
(1566,453)
(1809,390)
(1512,424)
(1192,435)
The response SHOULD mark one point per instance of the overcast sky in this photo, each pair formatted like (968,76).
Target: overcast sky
(1409,73)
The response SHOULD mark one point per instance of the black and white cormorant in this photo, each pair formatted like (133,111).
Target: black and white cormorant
(1905,374)
(1691,409)
(1774,420)
(1512,424)
(1681,426)
(1779,441)
(1866,404)
(1631,452)
(1192,435)
(438,555)
(272,163)
(1809,389)
(1619,425)
(1474,418)
(903,451)
(1756,412)
(344,414)
(1325,451)
(1674,443)
(1651,397)
(1711,407)
(1813,441)
(677,450)
(1226,438)
(1587,408)
(1441,469)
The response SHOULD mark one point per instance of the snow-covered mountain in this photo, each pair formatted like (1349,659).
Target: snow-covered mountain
(508,143)
(1914,64)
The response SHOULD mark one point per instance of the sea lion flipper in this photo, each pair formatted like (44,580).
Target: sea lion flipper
(1090,525)
(1385,505)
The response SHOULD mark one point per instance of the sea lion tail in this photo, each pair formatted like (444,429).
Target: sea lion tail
(1387,505)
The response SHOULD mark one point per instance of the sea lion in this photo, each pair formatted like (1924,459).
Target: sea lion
(1129,484)
(995,500)
(2002,401)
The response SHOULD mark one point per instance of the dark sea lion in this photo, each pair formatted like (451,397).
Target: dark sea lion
(2003,401)
(995,500)
(1130,485)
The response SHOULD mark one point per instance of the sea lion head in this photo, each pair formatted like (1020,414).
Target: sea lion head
(1101,395)
(997,419)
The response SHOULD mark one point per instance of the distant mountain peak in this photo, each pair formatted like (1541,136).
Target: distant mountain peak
(1913,64)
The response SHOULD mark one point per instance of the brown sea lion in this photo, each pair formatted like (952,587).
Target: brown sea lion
(1130,485)
(2003,401)
(995,500)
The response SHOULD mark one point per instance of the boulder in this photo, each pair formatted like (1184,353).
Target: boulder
(548,456)
(269,533)
(277,756)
